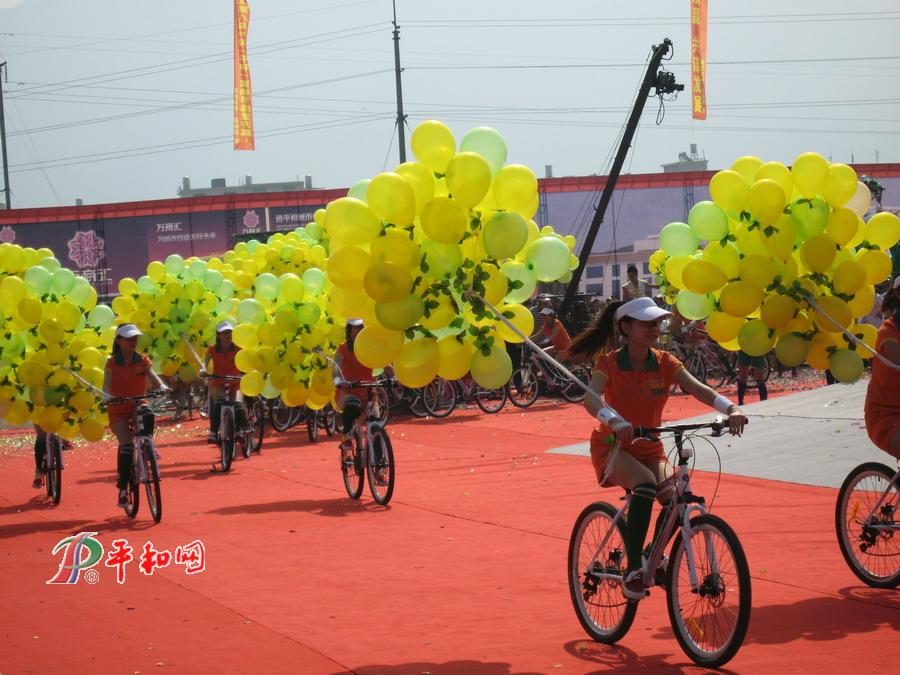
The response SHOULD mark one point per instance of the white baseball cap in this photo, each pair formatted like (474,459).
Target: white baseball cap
(547,311)
(224,326)
(128,330)
(641,309)
(354,322)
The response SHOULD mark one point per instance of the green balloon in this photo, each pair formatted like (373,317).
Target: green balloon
(269,390)
(547,258)
(146,285)
(504,234)
(309,313)
(37,280)
(225,289)
(50,263)
(488,143)
(359,189)
(313,281)
(250,311)
(101,317)
(694,306)
(80,292)
(63,281)
(442,260)
(212,280)
(174,264)
(708,221)
(518,271)
(810,216)
(677,239)
(197,269)
(267,286)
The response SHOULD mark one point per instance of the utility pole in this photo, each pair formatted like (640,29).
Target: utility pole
(3,70)
(401,118)
(664,83)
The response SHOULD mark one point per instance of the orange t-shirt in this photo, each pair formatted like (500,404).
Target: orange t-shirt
(126,380)
(560,336)
(883,393)
(353,371)
(223,361)
(639,396)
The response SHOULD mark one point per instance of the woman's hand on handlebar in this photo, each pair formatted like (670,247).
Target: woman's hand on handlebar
(736,421)
(202,373)
(623,430)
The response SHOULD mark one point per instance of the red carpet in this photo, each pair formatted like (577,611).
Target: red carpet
(463,573)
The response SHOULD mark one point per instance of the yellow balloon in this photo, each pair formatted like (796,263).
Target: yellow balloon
(444,220)
(729,190)
(849,277)
(521,318)
(702,276)
(421,179)
(350,222)
(836,309)
(376,347)
(883,230)
(810,174)
(395,246)
(869,335)
(321,383)
(779,173)
(740,298)
(514,189)
(819,350)
(245,336)
(433,145)
(727,258)
(401,314)
(846,365)
(840,185)
(347,266)
(440,316)
(417,363)
(387,282)
(842,225)
(92,429)
(747,167)
(755,338)
(792,350)
(723,327)
(468,178)
(777,311)
(818,252)
(877,265)
(296,394)
(862,302)
(766,200)
(30,311)
(750,241)
(758,270)
(252,383)
(674,269)
(392,199)
(455,357)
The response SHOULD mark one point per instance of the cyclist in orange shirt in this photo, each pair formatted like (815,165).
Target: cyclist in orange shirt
(127,374)
(553,332)
(347,368)
(883,393)
(221,355)
(635,381)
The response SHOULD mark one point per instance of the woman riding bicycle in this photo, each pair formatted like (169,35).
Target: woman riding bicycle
(221,355)
(636,380)
(552,332)
(883,393)
(347,368)
(127,374)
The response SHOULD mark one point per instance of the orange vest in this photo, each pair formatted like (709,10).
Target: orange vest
(883,393)
(126,380)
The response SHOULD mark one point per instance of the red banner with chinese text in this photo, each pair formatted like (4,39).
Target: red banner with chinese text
(698,59)
(243,95)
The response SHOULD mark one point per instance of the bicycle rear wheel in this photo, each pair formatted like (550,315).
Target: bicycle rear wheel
(522,388)
(572,392)
(312,425)
(867,538)
(384,404)
(416,404)
(709,620)
(490,400)
(256,427)
(380,466)
(331,422)
(53,459)
(226,432)
(281,414)
(597,548)
(351,467)
(695,366)
(439,397)
(151,476)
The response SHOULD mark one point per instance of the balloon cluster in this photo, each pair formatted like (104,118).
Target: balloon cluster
(789,264)
(417,251)
(50,327)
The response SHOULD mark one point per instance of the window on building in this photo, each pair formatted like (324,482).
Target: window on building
(596,289)
(615,271)
(617,289)
(646,268)
(595,271)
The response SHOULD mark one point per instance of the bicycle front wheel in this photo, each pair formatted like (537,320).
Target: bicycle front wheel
(571,391)
(597,549)
(490,400)
(257,427)
(151,476)
(226,431)
(522,388)
(53,459)
(439,397)
(865,534)
(131,490)
(281,414)
(380,466)
(351,467)
(312,425)
(709,613)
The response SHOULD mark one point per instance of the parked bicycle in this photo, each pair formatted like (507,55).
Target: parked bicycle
(144,469)
(371,453)
(240,422)
(537,374)
(865,518)
(52,466)
(440,397)
(324,418)
(706,575)
(282,416)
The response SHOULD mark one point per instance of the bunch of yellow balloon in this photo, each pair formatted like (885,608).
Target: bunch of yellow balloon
(789,264)
(46,334)
(412,251)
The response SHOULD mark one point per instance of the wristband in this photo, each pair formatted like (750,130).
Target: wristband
(722,404)
(337,381)
(608,416)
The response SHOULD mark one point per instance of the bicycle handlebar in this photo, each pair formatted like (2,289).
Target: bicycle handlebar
(230,378)
(134,399)
(718,426)
(359,384)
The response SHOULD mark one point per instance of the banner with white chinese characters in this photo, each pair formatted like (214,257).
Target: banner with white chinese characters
(243,95)
(698,58)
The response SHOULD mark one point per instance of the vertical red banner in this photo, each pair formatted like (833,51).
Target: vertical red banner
(243,95)
(698,59)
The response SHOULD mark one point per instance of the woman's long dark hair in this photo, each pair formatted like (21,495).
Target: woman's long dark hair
(597,337)
(891,303)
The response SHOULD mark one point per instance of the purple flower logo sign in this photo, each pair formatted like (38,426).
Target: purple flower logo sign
(86,249)
(7,235)
(251,220)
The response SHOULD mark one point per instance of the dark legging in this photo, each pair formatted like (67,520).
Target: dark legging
(352,411)
(40,450)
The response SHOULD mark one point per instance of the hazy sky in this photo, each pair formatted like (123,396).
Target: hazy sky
(116,101)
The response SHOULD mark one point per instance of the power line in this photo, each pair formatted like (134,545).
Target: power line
(563,66)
